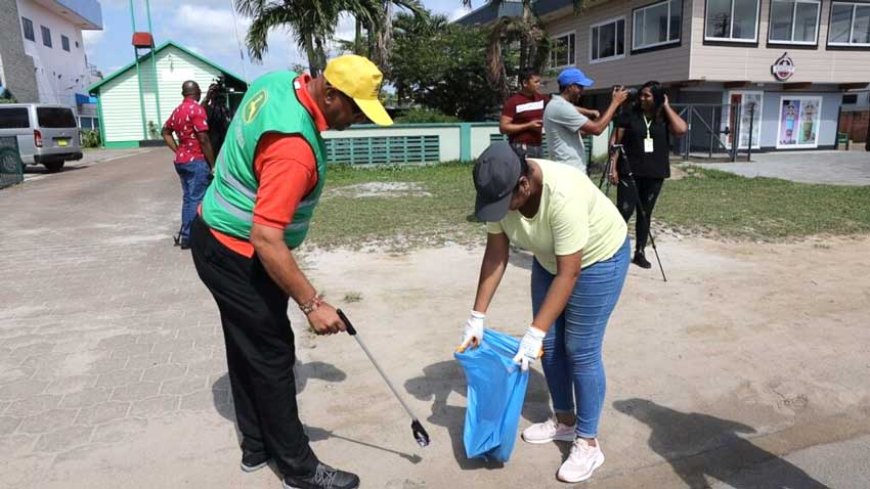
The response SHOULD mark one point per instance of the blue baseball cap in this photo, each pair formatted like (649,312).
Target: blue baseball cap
(574,76)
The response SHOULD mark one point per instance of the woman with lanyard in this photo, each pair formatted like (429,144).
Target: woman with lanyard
(581,251)
(644,133)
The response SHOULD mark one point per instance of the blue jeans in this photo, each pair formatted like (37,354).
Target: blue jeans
(572,348)
(194,181)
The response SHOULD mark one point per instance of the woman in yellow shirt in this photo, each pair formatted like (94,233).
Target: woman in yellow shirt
(582,252)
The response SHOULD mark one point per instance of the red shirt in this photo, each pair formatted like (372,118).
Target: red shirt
(186,121)
(286,169)
(522,109)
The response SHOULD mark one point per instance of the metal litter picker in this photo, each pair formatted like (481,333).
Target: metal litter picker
(420,434)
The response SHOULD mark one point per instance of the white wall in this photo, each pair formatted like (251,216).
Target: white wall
(122,114)
(59,74)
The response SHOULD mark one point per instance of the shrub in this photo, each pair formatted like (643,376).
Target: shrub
(91,138)
(420,115)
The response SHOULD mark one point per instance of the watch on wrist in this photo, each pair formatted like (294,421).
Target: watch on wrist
(312,305)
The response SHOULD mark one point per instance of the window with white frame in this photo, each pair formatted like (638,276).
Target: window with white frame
(657,24)
(46,36)
(794,21)
(732,20)
(562,51)
(850,24)
(28,29)
(607,40)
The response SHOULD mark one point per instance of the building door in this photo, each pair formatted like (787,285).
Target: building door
(751,105)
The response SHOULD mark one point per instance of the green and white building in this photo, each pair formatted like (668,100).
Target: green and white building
(136,100)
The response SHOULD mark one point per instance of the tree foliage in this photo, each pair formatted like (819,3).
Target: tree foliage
(442,66)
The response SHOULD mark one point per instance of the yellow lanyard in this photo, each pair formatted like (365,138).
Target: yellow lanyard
(648,123)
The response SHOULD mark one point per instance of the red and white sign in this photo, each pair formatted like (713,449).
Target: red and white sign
(783,68)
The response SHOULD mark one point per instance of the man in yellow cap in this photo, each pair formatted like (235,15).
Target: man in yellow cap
(267,180)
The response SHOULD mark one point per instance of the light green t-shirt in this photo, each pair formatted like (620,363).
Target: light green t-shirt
(573,216)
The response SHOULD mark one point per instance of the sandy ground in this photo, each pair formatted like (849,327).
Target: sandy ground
(747,353)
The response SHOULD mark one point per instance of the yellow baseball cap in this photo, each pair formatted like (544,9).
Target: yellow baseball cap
(359,79)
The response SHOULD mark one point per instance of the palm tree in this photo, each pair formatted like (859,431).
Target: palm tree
(312,22)
(528,32)
(383,31)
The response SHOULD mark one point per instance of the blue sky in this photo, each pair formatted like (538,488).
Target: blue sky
(206,27)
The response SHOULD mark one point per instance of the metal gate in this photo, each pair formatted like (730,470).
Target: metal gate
(717,131)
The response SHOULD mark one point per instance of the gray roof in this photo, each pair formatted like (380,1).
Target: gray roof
(489,13)
(508,8)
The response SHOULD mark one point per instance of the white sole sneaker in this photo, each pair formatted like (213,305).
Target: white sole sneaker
(253,468)
(598,461)
(568,437)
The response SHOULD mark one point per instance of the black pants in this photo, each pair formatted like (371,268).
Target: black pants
(528,150)
(260,352)
(626,200)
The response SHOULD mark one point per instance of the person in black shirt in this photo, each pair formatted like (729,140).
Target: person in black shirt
(644,131)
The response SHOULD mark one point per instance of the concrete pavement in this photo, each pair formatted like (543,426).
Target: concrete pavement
(829,167)
(112,361)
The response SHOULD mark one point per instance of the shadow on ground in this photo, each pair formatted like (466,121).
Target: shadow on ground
(701,447)
(304,372)
(41,170)
(440,380)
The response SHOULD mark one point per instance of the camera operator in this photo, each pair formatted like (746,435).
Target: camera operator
(644,132)
(218,113)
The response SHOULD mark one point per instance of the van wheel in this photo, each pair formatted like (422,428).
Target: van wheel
(53,166)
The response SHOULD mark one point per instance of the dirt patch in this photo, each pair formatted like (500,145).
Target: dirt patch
(380,190)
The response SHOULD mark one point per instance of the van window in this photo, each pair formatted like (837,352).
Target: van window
(14,118)
(55,117)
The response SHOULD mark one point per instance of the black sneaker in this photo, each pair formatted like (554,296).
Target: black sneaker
(253,461)
(185,244)
(325,477)
(640,260)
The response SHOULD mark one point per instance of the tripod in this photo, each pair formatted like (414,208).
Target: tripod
(631,183)
(604,181)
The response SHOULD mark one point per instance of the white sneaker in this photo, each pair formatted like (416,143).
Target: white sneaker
(582,462)
(548,431)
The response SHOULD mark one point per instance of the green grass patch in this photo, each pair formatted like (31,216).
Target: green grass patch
(733,206)
(707,202)
(401,221)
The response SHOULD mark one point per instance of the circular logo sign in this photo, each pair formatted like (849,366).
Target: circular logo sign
(783,68)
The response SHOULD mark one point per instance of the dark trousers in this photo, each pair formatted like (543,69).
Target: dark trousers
(260,352)
(528,150)
(648,190)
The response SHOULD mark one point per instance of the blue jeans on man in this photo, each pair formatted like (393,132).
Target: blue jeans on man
(572,359)
(194,180)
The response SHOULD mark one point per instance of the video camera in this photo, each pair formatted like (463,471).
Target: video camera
(632,92)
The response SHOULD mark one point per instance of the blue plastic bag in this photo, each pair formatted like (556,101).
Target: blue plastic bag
(496,391)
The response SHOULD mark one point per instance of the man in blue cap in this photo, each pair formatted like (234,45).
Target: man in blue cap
(564,124)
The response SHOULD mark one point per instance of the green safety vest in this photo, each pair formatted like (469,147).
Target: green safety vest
(270,105)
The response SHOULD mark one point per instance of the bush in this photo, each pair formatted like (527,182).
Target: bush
(420,115)
(90,138)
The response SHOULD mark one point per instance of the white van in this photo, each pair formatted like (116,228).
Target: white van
(47,134)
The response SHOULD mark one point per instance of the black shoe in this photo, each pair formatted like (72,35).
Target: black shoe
(325,477)
(185,244)
(253,461)
(640,260)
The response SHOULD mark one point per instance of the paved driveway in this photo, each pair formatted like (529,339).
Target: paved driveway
(113,373)
(829,167)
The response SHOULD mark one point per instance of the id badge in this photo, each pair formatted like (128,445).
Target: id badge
(648,145)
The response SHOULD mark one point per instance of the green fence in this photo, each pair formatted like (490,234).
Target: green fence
(11,168)
(380,150)
(587,144)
